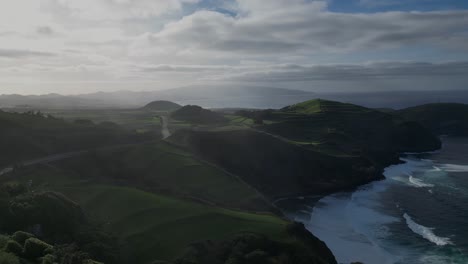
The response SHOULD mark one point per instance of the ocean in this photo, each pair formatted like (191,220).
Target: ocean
(418,215)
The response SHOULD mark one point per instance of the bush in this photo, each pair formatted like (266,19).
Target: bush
(3,241)
(8,258)
(257,257)
(57,216)
(13,247)
(48,259)
(21,237)
(35,248)
(13,188)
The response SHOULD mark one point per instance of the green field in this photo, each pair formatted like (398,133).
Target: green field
(161,167)
(130,118)
(154,226)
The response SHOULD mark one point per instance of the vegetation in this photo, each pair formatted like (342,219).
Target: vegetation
(34,135)
(130,119)
(441,119)
(257,249)
(163,168)
(197,115)
(151,226)
(202,196)
(274,166)
(161,106)
(314,147)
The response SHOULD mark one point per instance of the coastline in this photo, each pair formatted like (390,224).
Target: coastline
(310,203)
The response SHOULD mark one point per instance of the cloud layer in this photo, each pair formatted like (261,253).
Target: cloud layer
(166,43)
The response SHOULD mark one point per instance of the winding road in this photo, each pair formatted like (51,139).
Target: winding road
(164,127)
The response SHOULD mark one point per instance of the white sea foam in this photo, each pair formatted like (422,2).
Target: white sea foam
(426,232)
(454,167)
(418,183)
(353,226)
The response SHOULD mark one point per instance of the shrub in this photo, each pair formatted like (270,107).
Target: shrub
(35,248)
(8,258)
(13,188)
(21,236)
(48,259)
(57,215)
(3,240)
(13,247)
(257,257)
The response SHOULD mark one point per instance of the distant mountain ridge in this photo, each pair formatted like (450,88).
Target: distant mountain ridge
(231,96)
(209,96)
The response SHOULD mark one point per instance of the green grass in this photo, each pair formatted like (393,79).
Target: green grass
(164,168)
(152,226)
(320,106)
(158,225)
(130,118)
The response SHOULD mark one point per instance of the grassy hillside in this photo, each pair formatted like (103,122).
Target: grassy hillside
(274,166)
(161,106)
(151,226)
(442,118)
(342,128)
(139,120)
(316,146)
(197,115)
(31,135)
(163,168)
(322,106)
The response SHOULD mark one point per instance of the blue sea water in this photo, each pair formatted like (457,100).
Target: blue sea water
(418,215)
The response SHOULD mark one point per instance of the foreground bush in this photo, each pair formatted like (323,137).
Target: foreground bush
(35,248)
(8,258)
(21,237)
(13,247)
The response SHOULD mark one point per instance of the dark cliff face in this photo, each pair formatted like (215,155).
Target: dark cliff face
(275,167)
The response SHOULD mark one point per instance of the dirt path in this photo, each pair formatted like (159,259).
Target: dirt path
(164,127)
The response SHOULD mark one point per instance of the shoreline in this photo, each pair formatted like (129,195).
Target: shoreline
(376,253)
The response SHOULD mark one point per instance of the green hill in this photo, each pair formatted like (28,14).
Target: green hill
(161,106)
(197,115)
(321,106)
(163,168)
(313,147)
(162,200)
(337,128)
(274,166)
(33,135)
(442,118)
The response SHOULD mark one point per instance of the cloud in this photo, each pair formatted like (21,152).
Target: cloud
(12,53)
(306,29)
(45,30)
(346,72)
(102,10)
(208,40)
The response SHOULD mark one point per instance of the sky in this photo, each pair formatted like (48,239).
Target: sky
(73,47)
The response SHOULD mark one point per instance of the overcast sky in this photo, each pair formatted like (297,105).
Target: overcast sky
(81,46)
